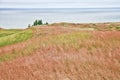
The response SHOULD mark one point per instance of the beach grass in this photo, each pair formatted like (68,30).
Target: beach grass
(8,37)
(55,53)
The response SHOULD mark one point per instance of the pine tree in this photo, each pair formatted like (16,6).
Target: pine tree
(39,22)
(35,23)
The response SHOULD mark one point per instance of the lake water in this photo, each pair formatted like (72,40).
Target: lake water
(20,18)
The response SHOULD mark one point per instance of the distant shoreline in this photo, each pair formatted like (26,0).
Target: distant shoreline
(55,8)
(21,17)
(99,26)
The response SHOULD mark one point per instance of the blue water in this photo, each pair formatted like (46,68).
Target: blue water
(20,18)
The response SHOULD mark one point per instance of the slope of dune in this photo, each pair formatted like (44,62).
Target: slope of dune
(59,53)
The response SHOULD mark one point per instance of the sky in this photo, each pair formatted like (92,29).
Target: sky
(59,3)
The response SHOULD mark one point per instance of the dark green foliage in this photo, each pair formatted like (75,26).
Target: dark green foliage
(37,22)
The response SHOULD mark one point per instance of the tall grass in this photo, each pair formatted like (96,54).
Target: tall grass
(77,55)
(8,37)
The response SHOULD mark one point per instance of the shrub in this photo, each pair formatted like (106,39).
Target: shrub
(46,23)
(28,25)
(37,22)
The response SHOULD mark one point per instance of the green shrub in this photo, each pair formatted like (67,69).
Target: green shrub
(37,22)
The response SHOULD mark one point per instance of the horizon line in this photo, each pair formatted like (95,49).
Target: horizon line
(62,8)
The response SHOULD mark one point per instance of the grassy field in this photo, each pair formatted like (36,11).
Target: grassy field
(8,37)
(96,26)
(58,53)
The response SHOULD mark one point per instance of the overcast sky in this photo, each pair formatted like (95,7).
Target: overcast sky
(59,4)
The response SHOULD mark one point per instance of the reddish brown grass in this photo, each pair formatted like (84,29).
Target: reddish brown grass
(80,58)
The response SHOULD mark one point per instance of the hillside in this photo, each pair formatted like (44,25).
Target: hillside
(62,52)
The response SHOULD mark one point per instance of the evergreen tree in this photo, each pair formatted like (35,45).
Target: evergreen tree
(39,22)
(35,23)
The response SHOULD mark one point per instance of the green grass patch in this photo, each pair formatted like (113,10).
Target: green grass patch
(8,37)
(70,41)
(8,32)
(118,28)
(67,40)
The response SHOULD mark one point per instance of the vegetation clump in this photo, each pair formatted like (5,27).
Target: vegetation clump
(37,22)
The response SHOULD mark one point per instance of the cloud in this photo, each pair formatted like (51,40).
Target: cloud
(59,4)
(60,0)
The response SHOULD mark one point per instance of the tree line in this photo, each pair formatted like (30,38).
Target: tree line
(37,22)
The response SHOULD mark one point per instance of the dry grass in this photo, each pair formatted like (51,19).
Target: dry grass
(96,26)
(56,53)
